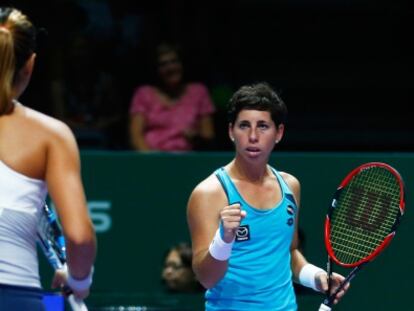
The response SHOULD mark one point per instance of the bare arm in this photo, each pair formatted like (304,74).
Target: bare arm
(66,190)
(207,127)
(297,258)
(298,261)
(203,215)
(136,132)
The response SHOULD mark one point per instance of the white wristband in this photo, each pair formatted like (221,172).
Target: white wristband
(64,268)
(307,275)
(324,308)
(80,285)
(219,249)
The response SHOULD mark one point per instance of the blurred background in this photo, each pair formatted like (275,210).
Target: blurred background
(343,67)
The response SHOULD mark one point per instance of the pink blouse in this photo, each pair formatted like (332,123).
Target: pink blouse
(165,125)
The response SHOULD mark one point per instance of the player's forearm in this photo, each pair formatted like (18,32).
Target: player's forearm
(297,263)
(304,272)
(208,270)
(81,253)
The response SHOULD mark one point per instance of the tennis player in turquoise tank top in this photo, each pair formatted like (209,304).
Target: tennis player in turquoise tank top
(243,218)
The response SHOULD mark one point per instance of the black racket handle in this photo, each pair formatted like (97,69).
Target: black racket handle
(330,299)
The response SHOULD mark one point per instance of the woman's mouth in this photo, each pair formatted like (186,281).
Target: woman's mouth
(253,150)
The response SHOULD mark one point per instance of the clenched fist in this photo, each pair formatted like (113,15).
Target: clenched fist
(231,216)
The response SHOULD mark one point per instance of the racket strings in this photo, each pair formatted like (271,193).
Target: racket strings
(365,213)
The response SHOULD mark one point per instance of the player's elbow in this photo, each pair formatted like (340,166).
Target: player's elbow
(207,284)
(206,279)
(81,238)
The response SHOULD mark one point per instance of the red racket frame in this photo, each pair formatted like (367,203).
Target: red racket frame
(388,238)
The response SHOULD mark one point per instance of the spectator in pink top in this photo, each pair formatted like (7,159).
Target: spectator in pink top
(174,115)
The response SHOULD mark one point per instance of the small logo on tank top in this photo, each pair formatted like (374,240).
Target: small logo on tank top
(290,210)
(243,233)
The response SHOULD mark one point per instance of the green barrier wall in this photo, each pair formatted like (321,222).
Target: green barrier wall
(138,205)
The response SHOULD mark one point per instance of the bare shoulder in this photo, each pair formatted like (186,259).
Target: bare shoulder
(208,192)
(203,210)
(291,180)
(210,186)
(293,184)
(48,125)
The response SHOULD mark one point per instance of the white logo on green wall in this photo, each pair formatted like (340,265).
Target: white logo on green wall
(99,212)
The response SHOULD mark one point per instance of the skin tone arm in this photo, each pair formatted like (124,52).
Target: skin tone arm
(206,127)
(204,213)
(66,190)
(58,161)
(298,260)
(204,131)
(137,125)
(136,132)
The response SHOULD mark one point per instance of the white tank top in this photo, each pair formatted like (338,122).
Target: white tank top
(21,199)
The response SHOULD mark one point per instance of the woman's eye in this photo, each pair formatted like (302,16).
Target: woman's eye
(263,126)
(243,125)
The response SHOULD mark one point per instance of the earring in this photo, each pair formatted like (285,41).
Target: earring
(276,141)
(232,139)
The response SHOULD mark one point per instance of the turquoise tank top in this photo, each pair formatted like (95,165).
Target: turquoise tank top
(259,275)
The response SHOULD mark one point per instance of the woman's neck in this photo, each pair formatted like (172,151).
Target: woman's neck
(246,171)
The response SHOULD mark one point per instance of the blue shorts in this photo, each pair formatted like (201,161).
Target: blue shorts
(18,298)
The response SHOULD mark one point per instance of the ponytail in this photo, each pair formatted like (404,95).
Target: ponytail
(7,67)
(17,44)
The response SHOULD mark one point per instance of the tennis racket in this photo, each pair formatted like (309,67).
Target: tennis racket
(52,242)
(362,219)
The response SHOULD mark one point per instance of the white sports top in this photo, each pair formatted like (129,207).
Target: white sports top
(21,200)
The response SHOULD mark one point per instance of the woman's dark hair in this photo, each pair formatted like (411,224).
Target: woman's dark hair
(259,96)
(167,47)
(186,255)
(184,251)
